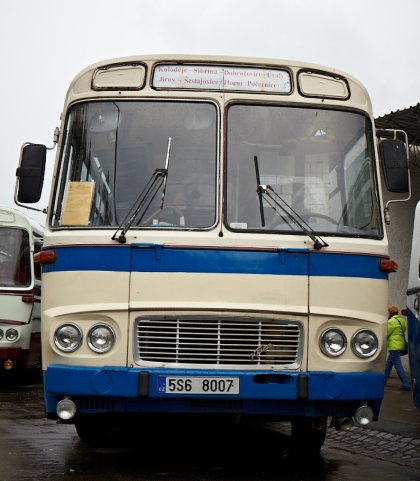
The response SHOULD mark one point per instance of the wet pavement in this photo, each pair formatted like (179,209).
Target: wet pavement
(33,448)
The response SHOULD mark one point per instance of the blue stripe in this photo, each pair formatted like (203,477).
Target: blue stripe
(123,381)
(156,258)
(345,265)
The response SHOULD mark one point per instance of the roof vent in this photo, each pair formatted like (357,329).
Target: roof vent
(119,77)
(316,84)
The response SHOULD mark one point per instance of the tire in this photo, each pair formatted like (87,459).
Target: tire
(305,437)
(94,428)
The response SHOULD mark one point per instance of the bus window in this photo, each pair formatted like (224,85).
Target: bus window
(316,160)
(116,147)
(14,258)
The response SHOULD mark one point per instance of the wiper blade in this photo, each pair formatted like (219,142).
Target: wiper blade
(168,154)
(143,201)
(259,191)
(270,193)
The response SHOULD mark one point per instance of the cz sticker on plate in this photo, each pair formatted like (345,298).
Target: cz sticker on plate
(197,385)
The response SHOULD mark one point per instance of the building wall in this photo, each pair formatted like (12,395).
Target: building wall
(400,232)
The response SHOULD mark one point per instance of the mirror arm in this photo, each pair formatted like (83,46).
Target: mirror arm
(407,153)
(55,139)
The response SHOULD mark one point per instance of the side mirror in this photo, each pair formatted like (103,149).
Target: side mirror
(395,166)
(30,173)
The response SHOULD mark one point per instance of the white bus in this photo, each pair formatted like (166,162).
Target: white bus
(214,245)
(20,291)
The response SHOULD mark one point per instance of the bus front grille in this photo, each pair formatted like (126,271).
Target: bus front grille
(226,341)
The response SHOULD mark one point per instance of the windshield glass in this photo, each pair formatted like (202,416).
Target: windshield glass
(318,161)
(15,267)
(111,150)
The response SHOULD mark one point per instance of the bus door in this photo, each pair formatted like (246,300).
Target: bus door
(413,309)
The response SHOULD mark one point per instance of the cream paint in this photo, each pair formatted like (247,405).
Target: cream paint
(335,296)
(248,292)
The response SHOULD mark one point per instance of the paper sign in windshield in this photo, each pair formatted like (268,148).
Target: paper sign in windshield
(77,203)
(205,77)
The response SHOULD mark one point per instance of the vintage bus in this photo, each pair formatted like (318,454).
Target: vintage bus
(413,310)
(20,292)
(214,245)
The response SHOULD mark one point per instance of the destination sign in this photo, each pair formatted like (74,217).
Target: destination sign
(211,77)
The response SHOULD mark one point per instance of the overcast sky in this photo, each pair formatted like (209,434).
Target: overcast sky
(45,43)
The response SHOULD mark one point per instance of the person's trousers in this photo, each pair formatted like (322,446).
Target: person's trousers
(394,359)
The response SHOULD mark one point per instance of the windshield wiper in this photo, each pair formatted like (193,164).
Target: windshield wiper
(143,201)
(267,193)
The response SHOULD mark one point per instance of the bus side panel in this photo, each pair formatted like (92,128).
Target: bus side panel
(13,309)
(413,311)
(349,292)
(413,322)
(84,298)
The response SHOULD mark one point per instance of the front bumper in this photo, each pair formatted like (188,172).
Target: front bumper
(282,394)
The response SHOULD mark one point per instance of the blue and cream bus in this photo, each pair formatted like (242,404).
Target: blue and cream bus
(413,310)
(214,245)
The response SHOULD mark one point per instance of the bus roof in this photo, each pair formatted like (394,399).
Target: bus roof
(83,87)
(10,217)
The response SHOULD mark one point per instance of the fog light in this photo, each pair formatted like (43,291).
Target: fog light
(66,409)
(363,415)
(8,364)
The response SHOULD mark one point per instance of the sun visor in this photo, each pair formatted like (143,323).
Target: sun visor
(121,77)
(316,84)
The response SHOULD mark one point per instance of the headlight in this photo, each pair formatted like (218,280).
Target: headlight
(101,338)
(364,343)
(1,334)
(68,337)
(12,334)
(333,342)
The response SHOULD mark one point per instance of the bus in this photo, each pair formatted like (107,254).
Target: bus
(20,292)
(214,245)
(413,310)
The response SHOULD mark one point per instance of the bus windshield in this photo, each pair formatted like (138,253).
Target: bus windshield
(15,267)
(111,150)
(317,161)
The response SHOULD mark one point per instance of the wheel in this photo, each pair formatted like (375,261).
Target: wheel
(94,428)
(307,438)
(164,219)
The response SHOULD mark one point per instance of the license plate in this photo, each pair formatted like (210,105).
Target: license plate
(198,385)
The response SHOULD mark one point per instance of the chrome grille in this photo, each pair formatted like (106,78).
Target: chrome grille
(226,341)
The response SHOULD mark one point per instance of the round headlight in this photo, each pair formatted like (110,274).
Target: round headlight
(66,409)
(333,342)
(68,337)
(12,334)
(363,415)
(364,343)
(101,338)
(1,334)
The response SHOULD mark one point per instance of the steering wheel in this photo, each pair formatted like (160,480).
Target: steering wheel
(320,216)
(180,220)
(283,218)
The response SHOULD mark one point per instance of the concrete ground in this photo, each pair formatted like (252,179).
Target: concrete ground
(395,437)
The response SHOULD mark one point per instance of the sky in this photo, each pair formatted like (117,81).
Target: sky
(45,43)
